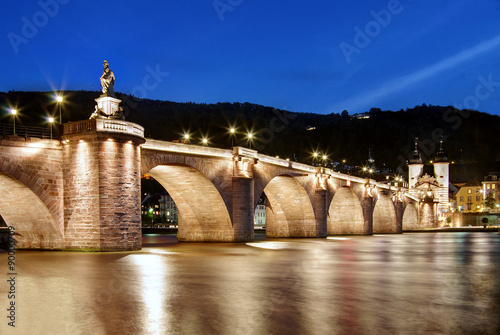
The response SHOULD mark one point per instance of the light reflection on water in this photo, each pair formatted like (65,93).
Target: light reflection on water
(440,283)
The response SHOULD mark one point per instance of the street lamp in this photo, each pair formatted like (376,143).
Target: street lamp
(315,157)
(250,137)
(51,121)
(186,137)
(204,141)
(325,157)
(232,131)
(13,112)
(59,100)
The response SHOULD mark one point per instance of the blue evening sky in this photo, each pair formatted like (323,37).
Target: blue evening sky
(318,56)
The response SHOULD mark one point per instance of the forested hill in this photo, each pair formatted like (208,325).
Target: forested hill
(472,139)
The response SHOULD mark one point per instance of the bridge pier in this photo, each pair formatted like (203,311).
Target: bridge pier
(243,194)
(399,207)
(368,206)
(101,178)
(320,212)
(319,202)
(243,212)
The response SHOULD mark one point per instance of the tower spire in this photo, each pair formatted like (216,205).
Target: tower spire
(440,155)
(416,157)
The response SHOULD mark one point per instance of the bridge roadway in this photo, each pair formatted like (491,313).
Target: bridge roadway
(83,192)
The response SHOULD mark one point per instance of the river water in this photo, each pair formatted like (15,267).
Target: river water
(419,283)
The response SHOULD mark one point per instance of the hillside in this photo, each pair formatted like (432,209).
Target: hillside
(471,137)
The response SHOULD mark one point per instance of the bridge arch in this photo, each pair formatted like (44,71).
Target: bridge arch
(22,208)
(203,214)
(345,214)
(289,211)
(384,215)
(410,217)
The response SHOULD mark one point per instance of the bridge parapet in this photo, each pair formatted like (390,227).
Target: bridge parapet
(104,125)
(186,148)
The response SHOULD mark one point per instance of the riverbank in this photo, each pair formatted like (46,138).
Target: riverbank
(454,229)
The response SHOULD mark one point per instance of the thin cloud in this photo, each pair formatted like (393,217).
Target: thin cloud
(394,85)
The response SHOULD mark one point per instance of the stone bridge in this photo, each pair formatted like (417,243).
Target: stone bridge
(83,192)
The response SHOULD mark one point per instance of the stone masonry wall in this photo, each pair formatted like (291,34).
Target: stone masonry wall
(32,191)
(81,192)
(119,193)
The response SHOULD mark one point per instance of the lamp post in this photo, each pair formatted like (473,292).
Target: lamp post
(325,157)
(51,122)
(232,132)
(59,100)
(186,137)
(315,157)
(250,137)
(204,141)
(13,112)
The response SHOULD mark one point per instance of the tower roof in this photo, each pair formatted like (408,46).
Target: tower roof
(415,157)
(440,155)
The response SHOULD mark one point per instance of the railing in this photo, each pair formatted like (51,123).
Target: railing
(27,131)
(104,125)
(79,127)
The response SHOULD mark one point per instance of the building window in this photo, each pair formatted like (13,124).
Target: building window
(469,199)
(492,186)
(488,186)
(478,198)
(461,199)
(469,191)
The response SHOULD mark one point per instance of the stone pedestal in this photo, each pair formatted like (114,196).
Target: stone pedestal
(102,190)
(108,105)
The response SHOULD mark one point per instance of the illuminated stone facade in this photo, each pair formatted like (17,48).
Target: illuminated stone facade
(86,191)
(101,177)
(32,191)
(431,189)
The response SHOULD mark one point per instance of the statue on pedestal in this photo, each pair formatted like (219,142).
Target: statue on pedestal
(107,81)
(108,106)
